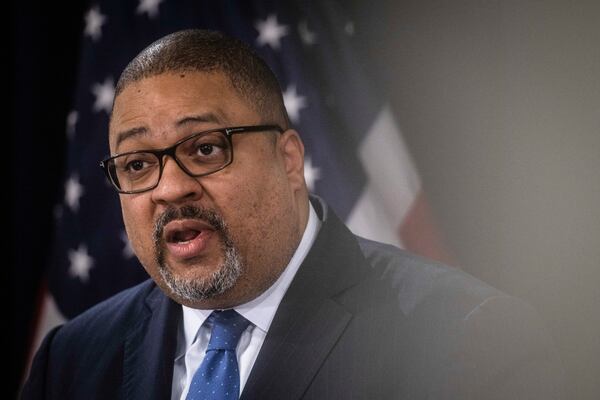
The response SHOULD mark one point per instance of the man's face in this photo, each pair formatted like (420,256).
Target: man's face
(219,240)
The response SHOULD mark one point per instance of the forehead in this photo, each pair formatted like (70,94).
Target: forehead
(155,105)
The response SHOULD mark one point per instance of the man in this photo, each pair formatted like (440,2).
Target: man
(211,184)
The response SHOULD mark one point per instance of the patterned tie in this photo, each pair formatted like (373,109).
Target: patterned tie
(218,377)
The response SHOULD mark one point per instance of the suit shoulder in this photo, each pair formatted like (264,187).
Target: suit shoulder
(87,352)
(419,283)
(106,319)
(453,326)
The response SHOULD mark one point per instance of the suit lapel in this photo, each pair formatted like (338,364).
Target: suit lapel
(149,350)
(309,320)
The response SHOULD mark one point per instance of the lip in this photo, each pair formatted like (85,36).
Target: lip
(199,233)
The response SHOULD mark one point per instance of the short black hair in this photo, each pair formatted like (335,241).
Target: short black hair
(210,51)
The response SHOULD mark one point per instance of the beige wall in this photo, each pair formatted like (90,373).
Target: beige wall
(499,102)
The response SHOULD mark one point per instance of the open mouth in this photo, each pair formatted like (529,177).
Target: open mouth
(182,236)
(187,239)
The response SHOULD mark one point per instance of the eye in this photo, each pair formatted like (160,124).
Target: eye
(204,150)
(207,149)
(136,165)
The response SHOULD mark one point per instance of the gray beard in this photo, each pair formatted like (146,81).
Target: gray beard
(223,279)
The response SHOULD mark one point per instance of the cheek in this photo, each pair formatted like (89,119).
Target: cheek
(138,223)
(257,211)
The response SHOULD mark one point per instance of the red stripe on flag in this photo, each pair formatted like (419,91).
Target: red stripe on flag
(419,233)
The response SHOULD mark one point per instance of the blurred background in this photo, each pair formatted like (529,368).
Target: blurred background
(498,103)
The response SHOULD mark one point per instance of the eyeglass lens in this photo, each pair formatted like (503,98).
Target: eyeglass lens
(199,155)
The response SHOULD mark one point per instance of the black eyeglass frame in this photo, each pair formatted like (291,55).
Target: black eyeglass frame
(170,151)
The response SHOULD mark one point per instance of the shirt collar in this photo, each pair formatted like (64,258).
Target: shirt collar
(260,311)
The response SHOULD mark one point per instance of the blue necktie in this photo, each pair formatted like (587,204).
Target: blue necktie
(218,377)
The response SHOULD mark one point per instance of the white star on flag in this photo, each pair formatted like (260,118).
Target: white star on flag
(71,122)
(270,32)
(293,103)
(81,263)
(311,173)
(93,23)
(127,250)
(149,7)
(308,38)
(73,192)
(105,94)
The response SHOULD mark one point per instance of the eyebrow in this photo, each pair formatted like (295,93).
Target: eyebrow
(142,130)
(128,134)
(208,117)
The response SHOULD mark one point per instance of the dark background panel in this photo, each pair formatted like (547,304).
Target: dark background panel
(44,51)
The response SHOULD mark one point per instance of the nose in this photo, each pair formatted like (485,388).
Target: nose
(175,185)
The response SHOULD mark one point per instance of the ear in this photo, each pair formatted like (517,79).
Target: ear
(292,150)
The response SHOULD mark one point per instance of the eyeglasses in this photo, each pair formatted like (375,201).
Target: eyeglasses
(200,154)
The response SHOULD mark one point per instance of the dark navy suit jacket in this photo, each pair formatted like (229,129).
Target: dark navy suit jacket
(361,320)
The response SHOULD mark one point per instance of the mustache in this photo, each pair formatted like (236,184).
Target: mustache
(214,219)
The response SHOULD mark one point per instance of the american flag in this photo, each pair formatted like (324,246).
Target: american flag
(355,156)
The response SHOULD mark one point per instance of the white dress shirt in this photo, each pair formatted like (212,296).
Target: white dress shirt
(193,335)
